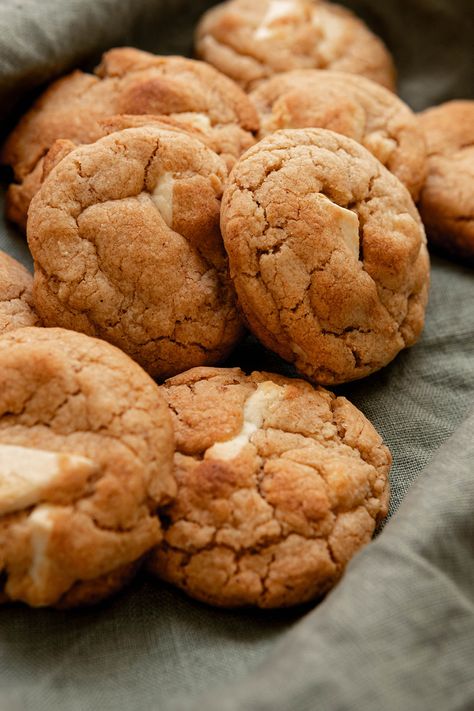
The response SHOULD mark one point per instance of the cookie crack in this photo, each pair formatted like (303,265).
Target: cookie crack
(149,163)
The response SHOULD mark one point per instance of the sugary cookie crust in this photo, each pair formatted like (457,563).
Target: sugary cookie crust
(447,199)
(128,81)
(16,297)
(127,247)
(327,254)
(251,41)
(279,484)
(352,105)
(86,448)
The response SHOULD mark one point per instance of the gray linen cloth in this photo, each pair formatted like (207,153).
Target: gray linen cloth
(398,631)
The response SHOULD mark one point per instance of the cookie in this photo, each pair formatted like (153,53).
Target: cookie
(251,41)
(63,146)
(279,484)
(128,81)
(351,105)
(447,200)
(327,254)
(16,297)
(21,195)
(86,450)
(126,241)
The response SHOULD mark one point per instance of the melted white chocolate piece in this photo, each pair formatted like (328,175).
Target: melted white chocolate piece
(162,196)
(195,119)
(41,525)
(330,28)
(266,394)
(25,474)
(279,11)
(344,221)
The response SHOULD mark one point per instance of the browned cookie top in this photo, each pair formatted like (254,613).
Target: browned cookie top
(327,253)
(447,200)
(250,41)
(86,448)
(19,196)
(352,105)
(279,484)
(128,81)
(16,298)
(126,241)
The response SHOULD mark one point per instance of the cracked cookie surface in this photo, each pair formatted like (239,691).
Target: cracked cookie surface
(86,449)
(251,41)
(327,254)
(447,199)
(127,247)
(352,105)
(128,81)
(16,295)
(279,484)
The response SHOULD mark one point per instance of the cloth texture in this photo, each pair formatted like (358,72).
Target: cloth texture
(397,633)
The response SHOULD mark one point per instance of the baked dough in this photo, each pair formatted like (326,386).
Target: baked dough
(352,105)
(126,241)
(16,295)
(327,254)
(251,41)
(86,448)
(128,81)
(447,200)
(279,485)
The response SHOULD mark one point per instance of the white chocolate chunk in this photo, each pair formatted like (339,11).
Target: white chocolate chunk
(330,28)
(232,447)
(25,473)
(162,196)
(41,525)
(196,119)
(349,230)
(344,221)
(278,11)
(266,394)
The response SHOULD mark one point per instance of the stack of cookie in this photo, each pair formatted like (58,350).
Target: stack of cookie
(167,211)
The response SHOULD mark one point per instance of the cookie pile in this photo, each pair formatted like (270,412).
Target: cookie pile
(167,210)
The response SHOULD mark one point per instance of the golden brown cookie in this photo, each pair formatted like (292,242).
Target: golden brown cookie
(16,298)
(351,105)
(126,241)
(447,200)
(327,253)
(20,196)
(128,81)
(279,484)
(251,41)
(86,448)
(63,146)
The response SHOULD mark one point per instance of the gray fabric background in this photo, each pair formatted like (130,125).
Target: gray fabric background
(398,632)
